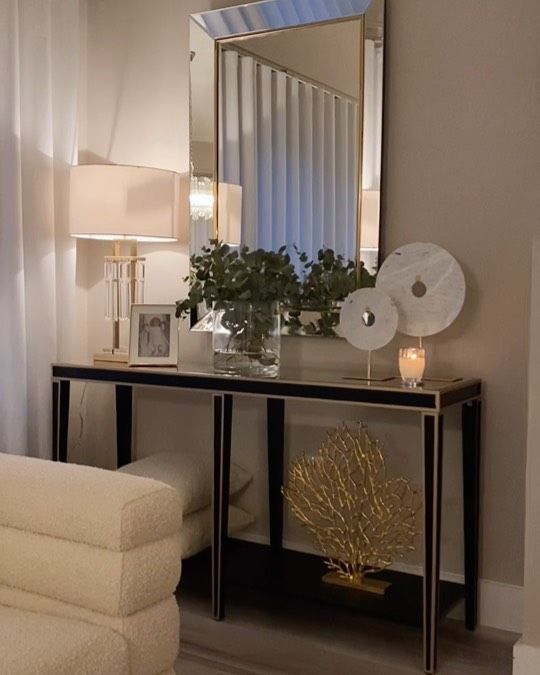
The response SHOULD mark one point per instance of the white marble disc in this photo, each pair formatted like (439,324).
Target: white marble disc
(427,285)
(368,319)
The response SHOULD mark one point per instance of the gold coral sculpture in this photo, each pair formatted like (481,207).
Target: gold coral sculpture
(358,517)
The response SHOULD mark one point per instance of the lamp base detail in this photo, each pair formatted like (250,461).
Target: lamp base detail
(111,356)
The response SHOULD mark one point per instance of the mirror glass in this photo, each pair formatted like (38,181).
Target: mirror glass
(286,129)
(368,318)
(202,145)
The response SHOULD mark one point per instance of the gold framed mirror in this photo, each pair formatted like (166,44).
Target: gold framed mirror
(286,101)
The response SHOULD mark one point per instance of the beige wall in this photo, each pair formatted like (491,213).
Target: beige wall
(462,160)
(527,653)
(319,53)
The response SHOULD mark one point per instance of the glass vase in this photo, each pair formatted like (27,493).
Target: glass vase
(247,338)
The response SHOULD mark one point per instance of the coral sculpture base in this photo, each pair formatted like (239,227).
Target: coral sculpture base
(366,584)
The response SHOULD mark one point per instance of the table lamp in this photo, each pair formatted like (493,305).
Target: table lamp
(123,203)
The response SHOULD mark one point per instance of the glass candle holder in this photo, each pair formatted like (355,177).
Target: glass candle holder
(412,363)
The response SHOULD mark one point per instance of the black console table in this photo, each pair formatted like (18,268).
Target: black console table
(429,402)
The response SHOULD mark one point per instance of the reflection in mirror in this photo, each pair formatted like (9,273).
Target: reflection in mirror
(288,136)
(202,138)
(368,318)
(373,80)
(419,289)
(286,130)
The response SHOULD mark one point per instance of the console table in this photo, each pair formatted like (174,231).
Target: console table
(428,402)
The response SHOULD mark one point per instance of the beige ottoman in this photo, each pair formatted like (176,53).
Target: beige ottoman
(89,565)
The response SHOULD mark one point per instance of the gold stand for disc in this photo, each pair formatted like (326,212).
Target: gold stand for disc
(369,376)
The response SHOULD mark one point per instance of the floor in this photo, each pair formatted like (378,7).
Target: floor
(261,637)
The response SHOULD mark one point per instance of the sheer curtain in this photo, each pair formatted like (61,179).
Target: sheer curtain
(38,121)
(372,135)
(292,147)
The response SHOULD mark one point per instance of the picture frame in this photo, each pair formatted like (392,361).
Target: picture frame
(153,335)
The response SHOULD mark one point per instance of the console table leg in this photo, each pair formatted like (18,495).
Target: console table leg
(471,420)
(433,445)
(60,421)
(124,421)
(275,421)
(55,405)
(220,501)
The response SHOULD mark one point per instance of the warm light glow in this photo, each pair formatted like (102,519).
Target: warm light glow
(114,202)
(412,363)
(201,198)
(124,237)
(118,203)
(201,202)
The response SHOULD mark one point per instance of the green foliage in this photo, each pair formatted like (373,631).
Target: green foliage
(222,274)
(327,282)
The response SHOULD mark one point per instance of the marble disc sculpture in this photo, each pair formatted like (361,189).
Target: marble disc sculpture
(368,319)
(427,285)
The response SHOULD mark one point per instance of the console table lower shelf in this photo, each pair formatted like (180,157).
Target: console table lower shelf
(428,404)
(291,575)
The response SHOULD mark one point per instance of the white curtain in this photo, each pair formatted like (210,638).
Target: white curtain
(372,135)
(292,146)
(39,49)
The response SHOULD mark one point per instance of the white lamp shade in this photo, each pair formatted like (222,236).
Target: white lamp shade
(230,213)
(124,202)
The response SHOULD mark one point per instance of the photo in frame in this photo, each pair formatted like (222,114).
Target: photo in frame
(153,336)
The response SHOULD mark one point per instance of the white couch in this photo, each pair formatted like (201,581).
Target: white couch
(89,561)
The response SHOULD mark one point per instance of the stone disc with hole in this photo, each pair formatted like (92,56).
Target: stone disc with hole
(368,319)
(427,286)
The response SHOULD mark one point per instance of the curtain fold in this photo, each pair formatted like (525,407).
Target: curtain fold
(292,145)
(372,135)
(38,118)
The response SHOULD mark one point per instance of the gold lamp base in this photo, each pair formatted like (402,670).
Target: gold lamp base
(111,356)
(366,584)
(118,354)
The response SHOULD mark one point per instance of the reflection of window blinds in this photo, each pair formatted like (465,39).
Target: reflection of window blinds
(292,146)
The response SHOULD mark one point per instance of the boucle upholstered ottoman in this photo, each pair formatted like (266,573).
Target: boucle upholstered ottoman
(88,566)
(190,472)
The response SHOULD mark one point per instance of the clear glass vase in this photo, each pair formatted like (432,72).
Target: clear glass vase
(247,338)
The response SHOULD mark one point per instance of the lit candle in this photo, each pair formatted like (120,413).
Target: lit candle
(412,363)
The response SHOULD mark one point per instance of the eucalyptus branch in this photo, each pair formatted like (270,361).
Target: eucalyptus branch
(221,274)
